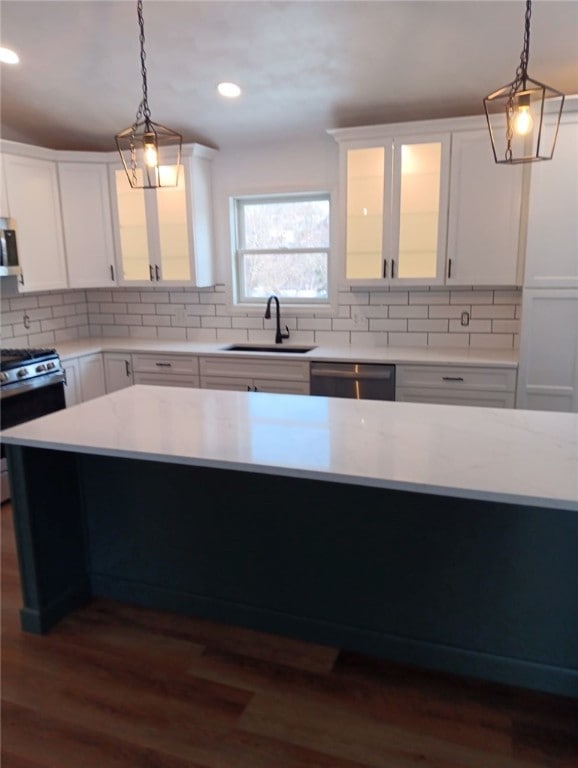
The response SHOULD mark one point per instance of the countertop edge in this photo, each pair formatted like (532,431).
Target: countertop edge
(499,358)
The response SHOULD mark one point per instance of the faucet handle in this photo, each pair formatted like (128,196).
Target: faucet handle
(286,335)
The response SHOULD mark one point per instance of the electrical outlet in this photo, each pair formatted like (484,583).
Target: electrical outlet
(358,317)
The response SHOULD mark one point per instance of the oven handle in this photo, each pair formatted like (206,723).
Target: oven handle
(19,387)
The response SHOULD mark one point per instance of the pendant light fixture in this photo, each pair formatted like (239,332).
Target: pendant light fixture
(150,152)
(524,115)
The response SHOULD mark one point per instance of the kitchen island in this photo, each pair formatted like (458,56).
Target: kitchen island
(442,536)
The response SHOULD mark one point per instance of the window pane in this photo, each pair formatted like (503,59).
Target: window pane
(294,275)
(287,224)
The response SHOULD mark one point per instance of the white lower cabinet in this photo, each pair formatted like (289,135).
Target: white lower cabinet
(456,385)
(117,371)
(71,382)
(166,370)
(548,377)
(84,379)
(255,375)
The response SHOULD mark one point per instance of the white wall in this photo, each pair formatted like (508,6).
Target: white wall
(275,168)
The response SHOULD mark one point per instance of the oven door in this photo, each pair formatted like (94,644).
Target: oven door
(18,406)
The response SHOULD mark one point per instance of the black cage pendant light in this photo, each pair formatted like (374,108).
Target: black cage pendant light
(150,152)
(524,116)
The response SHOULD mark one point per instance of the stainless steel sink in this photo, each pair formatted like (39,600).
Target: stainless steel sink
(295,348)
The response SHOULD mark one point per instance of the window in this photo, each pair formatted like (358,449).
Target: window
(282,247)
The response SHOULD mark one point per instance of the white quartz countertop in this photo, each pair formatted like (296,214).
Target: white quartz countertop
(515,456)
(420,355)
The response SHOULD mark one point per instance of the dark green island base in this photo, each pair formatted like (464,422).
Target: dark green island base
(478,588)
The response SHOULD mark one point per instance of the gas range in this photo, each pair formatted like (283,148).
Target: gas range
(26,368)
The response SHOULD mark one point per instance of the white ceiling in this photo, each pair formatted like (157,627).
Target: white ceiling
(304,66)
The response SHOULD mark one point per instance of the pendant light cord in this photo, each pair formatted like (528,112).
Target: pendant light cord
(143,108)
(522,70)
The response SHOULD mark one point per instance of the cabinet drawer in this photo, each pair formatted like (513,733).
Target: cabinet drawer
(442,396)
(167,379)
(165,364)
(456,377)
(253,368)
(283,387)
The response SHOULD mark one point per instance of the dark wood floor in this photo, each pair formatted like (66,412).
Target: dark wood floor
(118,686)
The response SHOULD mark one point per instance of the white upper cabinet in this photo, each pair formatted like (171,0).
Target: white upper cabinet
(165,236)
(484,214)
(87,223)
(395,206)
(33,202)
(552,240)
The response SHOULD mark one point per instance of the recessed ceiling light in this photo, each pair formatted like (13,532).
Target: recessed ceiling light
(8,57)
(229,90)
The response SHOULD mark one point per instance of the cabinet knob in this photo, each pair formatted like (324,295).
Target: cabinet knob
(151,274)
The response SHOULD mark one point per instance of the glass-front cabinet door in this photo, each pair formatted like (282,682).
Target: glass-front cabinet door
(153,231)
(132,230)
(165,235)
(396,209)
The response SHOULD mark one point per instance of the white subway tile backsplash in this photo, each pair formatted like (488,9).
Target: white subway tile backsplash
(98,295)
(396,324)
(172,334)
(448,311)
(158,320)
(474,326)
(142,332)
(314,323)
(503,311)
(332,337)
(415,310)
(452,340)
(115,331)
(154,297)
(472,297)
(50,299)
(408,339)
(505,326)
(387,297)
(429,297)
(23,302)
(418,317)
(435,326)
(493,340)
(507,296)
(202,334)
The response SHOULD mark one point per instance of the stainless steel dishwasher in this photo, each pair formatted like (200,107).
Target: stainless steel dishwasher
(361,381)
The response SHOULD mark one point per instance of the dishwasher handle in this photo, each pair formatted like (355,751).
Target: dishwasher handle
(383,372)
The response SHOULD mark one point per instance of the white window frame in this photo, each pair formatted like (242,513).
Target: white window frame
(237,202)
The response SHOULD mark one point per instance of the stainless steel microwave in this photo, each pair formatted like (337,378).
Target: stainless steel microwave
(9,264)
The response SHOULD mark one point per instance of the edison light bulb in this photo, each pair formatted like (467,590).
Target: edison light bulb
(523,122)
(150,151)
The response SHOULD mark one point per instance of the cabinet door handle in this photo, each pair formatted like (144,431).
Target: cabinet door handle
(112,272)
(152,277)
(385,267)
(449,268)
(249,388)
(157,273)
(393,268)
(164,365)
(127,367)
(21,278)
(452,378)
